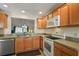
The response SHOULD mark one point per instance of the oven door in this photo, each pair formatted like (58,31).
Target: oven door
(48,45)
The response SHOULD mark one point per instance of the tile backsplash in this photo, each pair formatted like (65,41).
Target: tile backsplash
(67,31)
(71,32)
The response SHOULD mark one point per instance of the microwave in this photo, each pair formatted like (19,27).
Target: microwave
(53,22)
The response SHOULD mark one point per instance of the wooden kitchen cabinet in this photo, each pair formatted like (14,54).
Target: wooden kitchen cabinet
(36,42)
(23,44)
(53,14)
(57,52)
(3,19)
(42,22)
(56,12)
(62,50)
(50,16)
(74,13)
(64,15)
(28,43)
(19,45)
(39,22)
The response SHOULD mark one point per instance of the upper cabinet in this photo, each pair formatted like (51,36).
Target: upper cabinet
(68,15)
(3,20)
(42,22)
(50,16)
(64,15)
(74,13)
(56,12)
(55,19)
(39,22)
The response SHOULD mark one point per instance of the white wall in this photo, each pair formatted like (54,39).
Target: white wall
(36,30)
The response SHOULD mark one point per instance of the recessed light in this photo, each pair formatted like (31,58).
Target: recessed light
(5,6)
(23,11)
(40,12)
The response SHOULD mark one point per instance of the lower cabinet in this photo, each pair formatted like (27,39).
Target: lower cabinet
(36,42)
(27,43)
(19,45)
(23,44)
(57,52)
(62,50)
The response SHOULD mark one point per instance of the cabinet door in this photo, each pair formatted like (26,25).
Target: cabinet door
(64,16)
(56,12)
(36,42)
(3,19)
(44,22)
(57,52)
(39,23)
(28,43)
(50,16)
(19,45)
(74,13)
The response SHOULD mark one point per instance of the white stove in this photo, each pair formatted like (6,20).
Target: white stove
(48,44)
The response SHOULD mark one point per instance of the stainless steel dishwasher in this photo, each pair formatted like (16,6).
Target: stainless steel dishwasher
(7,47)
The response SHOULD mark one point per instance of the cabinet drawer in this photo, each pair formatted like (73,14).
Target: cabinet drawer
(66,49)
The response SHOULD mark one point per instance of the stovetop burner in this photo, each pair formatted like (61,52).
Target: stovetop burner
(51,37)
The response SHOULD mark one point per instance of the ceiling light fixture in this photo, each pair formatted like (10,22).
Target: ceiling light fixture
(40,12)
(5,6)
(23,11)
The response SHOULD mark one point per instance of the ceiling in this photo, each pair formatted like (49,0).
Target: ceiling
(31,9)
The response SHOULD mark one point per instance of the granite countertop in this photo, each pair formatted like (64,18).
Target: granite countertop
(71,44)
(14,35)
(7,37)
